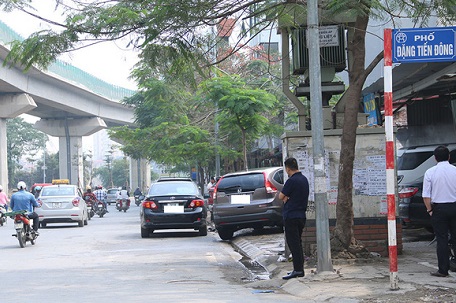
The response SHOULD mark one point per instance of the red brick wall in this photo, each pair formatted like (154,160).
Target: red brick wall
(372,232)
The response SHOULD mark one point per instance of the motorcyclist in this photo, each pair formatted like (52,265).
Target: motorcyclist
(89,194)
(124,194)
(101,196)
(23,200)
(37,191)
(3,199)
(137,192)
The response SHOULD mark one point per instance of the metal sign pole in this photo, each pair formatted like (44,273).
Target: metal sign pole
(321,199)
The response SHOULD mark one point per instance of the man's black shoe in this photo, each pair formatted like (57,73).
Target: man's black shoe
(293,274)
(438,274)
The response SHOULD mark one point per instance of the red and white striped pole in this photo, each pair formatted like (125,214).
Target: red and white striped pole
(390,175)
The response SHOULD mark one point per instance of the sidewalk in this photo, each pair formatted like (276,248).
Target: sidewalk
(352,281)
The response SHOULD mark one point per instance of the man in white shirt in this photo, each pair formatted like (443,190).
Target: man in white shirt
(439,195)
(211,183)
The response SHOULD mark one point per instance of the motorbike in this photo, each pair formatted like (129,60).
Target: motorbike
(100,208)
(138,199)
(2,215)
(90,210)
(123,204)
(24,230)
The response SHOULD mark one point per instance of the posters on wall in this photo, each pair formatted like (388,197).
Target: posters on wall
(369,176)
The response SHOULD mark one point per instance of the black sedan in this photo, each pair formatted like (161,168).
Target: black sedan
(173,204)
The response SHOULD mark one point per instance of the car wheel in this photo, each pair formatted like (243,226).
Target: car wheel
(86,221)
(81,223)
(146,232)
(203,230)
(43,225)
(225,234)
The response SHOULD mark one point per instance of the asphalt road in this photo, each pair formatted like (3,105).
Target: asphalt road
(108,261)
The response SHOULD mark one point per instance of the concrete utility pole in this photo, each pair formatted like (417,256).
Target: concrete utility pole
(316,111)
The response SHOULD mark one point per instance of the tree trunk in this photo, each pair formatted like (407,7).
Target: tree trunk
(244,148)
(343,238)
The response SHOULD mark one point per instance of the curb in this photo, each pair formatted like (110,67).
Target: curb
(247,249)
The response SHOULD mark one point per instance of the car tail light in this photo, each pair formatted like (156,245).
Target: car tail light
(407,192)
(215,188)
(150,205)
(196,203)
(75,202)
(270,188)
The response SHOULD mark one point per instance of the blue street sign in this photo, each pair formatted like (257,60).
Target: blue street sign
(432,44)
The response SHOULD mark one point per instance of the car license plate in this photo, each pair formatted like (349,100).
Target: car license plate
(173,208)
(240,199)
(56,205)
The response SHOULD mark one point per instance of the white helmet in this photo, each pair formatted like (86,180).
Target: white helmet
(1,188)
(21,185)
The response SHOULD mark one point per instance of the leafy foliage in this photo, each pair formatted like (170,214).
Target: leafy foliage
(22,140)
(240,106)
(118,169)
(166,133)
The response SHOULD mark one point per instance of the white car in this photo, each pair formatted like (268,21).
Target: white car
(62,204)
(412,162)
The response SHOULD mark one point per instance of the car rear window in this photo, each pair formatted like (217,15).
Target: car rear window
(410,161)
(112,191)
(241,183)
(173,188)
(57,191)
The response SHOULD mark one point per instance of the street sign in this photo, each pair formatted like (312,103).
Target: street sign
(432,44)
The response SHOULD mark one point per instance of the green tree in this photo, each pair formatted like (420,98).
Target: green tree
(169,130)
(22,140)
(52,168)
(120,173)
(171,36)
(239,107)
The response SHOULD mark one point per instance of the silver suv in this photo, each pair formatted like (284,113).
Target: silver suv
(111,195)
(248,200)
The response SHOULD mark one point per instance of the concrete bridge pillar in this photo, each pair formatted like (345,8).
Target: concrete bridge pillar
(139,174)
(70,132)
(11,106)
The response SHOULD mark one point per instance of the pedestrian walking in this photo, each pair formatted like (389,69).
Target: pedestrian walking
(439,195)
(295,195)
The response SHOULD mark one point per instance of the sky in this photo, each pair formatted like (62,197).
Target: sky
(109,61)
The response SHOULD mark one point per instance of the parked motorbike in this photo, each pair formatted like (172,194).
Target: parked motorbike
(123,204)
(138,200)
(2,215)
(24,230)
(90,210)
(99,208)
